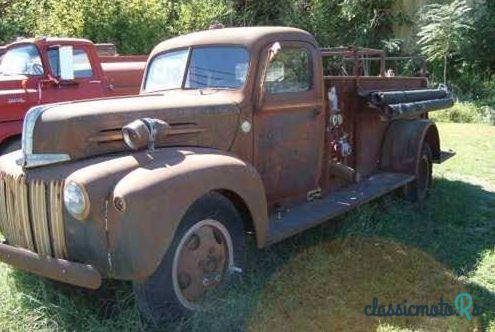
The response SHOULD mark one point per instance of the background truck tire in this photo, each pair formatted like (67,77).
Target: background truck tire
(165,295)
(417,190)
(10,145)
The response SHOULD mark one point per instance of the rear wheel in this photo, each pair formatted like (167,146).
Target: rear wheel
(417,190)
(208,247)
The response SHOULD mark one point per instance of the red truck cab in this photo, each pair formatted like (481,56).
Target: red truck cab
(51,70)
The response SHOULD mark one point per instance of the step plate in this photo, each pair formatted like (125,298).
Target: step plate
(315,212)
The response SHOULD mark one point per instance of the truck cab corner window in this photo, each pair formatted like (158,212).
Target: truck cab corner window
(289,71)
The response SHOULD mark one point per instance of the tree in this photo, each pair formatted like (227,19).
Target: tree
(444,30)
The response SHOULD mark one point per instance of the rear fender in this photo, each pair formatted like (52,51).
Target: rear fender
(150,201)
(402,144)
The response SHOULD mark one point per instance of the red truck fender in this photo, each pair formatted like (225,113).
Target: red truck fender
(402,144)
(154,198)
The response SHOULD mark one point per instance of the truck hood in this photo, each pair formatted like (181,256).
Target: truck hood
(90,128)
(15,98)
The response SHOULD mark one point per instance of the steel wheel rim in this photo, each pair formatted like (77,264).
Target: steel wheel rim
(188,260)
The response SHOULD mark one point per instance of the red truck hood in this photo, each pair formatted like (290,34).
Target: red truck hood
(15,99)
(90,128)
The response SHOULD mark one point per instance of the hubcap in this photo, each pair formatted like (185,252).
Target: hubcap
(202,261)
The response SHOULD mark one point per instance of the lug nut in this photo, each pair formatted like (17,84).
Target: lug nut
(193,242)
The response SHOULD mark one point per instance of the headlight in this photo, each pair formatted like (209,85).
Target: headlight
(76,200)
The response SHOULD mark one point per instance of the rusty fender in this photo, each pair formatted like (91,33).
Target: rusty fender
(402,143)
(149,202)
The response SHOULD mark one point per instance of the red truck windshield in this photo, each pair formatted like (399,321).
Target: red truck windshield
(218,67)
(22,60)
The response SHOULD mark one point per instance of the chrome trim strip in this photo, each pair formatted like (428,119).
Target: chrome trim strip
(33,160)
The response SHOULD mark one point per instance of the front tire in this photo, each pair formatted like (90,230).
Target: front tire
(209,245)
(417,190)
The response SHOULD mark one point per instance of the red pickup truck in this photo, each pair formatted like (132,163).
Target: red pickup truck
(51,70)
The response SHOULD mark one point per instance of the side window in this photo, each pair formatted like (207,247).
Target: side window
(54,63)
(289,71)
(81,64)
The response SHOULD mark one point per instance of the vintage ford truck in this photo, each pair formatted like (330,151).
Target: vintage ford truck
(236,131)
(48,70)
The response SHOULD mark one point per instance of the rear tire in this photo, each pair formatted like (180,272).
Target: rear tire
(209,245)
(11,145)
(417,190)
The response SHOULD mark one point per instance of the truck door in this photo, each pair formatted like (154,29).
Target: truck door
(289,122)
(85,84)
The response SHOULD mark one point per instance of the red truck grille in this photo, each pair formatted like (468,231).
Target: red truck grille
(31,215)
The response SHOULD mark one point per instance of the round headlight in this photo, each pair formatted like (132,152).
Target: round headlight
(76,200)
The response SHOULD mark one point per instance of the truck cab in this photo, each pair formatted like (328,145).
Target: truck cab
(50,70)
(235,131)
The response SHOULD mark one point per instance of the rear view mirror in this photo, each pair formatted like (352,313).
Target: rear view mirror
(274,49)
(66,58)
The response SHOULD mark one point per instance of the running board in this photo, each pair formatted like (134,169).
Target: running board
(318,211)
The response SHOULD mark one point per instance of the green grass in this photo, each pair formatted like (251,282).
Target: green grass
(323,278)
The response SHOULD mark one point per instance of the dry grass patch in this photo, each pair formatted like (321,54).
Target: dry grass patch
(340,278)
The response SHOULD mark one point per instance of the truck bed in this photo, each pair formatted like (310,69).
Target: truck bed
(124,73)
(361,122)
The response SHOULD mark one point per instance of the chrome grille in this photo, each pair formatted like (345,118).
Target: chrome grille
(31,215)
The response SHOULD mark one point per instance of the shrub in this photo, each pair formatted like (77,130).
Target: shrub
(466,112)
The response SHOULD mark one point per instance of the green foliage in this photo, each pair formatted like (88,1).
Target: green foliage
(466,112)
(196,15)
(444,30)
(137,25)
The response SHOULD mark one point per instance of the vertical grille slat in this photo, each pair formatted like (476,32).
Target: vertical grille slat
(22,213)
(31,214)
(40,218)
(57,222)
(13,231)
(3,208)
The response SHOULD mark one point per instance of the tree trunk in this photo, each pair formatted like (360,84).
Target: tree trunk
(445,70)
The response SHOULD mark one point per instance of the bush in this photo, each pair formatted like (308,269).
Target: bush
(466,112)
(137,25)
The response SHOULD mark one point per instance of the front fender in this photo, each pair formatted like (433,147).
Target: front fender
(151,200)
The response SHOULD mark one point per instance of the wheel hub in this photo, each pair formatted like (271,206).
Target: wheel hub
(201,262)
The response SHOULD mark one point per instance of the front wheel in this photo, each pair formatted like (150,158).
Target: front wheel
(417,190)
(208,247)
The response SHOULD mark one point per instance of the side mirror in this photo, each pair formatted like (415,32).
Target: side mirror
(66,61)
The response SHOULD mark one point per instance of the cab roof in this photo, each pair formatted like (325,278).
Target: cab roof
(50,40)
(250,37)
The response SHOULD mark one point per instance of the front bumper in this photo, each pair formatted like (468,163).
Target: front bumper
(54,268)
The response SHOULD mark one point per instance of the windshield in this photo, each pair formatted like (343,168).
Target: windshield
(22,60)
(216,67)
